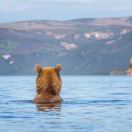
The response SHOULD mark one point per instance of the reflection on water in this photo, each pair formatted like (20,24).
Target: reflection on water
(49,106)
(91,104)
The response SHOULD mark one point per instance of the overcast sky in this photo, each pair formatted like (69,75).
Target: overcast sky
(15,10)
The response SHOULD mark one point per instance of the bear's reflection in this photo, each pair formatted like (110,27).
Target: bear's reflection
(56,106)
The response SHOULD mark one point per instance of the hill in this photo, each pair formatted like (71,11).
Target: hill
(82,46)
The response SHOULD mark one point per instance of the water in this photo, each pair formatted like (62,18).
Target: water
(91,104)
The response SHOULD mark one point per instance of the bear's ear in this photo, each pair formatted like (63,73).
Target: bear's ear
(58,68)
(38,68)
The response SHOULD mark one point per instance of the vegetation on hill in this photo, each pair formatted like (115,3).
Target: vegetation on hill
(82,46)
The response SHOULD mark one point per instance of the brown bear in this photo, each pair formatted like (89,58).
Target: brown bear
(48,84)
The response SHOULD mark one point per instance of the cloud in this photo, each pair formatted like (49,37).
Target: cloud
(22,5)
(18,5)
(12,10)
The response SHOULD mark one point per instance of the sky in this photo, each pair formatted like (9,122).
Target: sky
(16,10)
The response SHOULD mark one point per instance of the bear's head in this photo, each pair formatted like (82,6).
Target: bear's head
(48,83)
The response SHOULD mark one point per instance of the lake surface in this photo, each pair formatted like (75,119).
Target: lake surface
(91,104)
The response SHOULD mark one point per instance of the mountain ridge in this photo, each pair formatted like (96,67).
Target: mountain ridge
(82,48)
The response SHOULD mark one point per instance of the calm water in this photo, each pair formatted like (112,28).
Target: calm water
(91,104)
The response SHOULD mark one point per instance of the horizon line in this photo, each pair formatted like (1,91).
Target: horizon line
(72,19)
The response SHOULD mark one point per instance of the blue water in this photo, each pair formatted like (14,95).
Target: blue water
(91,104)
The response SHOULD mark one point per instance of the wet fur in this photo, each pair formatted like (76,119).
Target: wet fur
(48,84)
